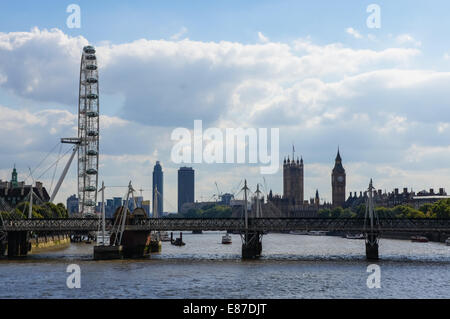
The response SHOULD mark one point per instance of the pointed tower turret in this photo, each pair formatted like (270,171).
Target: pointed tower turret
(317,198)
(14,182)
(338,181)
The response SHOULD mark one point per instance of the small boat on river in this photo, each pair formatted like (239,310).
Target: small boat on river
(178,241)
(419,239)
(354,236)
(226,239)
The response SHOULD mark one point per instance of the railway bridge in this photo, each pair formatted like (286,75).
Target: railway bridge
(251,229)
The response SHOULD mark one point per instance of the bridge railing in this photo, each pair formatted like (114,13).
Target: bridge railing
(233,224)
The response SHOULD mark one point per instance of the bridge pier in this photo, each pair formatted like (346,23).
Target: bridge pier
(251,245)
(3,247)
(372,246)
(18,243)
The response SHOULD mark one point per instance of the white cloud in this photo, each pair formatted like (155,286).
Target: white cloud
(371,37)
(354,33)
(374,103)
(263,38)
(408,39)
(40,64)
(179,34)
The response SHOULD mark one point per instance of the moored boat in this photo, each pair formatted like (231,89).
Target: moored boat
(226,239)
(447,241)
(317,233)
(164,236)
(354,236)
(103,240)
(178,241)
(419,239)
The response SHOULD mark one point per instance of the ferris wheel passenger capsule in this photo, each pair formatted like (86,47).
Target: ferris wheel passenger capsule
(91,80)
(89,49)
(92,96)
(92,114)
(91,67)
(91,171)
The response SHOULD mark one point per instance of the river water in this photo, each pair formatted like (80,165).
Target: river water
(292,266)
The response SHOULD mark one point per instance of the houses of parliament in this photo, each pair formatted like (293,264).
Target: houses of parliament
(293,203)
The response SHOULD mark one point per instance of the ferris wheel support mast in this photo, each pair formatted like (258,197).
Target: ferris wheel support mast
(75,141)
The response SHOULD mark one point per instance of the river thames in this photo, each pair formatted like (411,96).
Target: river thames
(292,266)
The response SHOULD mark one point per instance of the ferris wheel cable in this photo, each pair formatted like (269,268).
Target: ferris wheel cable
(40,163)
(31,175)
(56,167)
(55,163)
(32,172)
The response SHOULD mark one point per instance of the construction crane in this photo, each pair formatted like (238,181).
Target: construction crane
(144,190)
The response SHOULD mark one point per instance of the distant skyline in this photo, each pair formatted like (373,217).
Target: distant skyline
(312,69)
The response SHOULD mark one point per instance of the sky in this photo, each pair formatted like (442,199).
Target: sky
(313,69)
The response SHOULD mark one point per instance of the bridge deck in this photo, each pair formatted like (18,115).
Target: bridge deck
(236,224)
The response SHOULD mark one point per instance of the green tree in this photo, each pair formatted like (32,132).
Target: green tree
(441,209)
(63,211)
(5,215)
(16,214)
(324,213)
(426,208)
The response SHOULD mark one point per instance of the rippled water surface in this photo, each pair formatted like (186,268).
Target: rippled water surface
(293,266)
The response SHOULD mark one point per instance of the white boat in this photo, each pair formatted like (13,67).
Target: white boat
(447,241)
(317,233)
(354,236)
(164,236)
(103,240)
(226,239)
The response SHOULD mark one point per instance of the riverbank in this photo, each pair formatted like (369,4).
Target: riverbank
(43,243)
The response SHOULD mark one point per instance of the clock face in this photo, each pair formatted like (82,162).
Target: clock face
(340,179)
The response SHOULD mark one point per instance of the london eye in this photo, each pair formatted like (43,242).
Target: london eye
(88,132)
(87,142)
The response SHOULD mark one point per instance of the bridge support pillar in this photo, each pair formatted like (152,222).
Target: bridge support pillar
(18,243)
(3,247)
(372,246)
(251,245)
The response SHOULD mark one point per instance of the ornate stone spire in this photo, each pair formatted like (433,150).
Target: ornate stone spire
(14,182)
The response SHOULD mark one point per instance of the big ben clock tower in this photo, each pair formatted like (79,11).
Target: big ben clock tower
(338,182)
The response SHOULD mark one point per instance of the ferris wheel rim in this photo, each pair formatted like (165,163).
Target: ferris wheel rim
(88,132)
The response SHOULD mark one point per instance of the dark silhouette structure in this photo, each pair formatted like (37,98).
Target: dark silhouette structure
(186,186)
(158,183)
(338,182)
